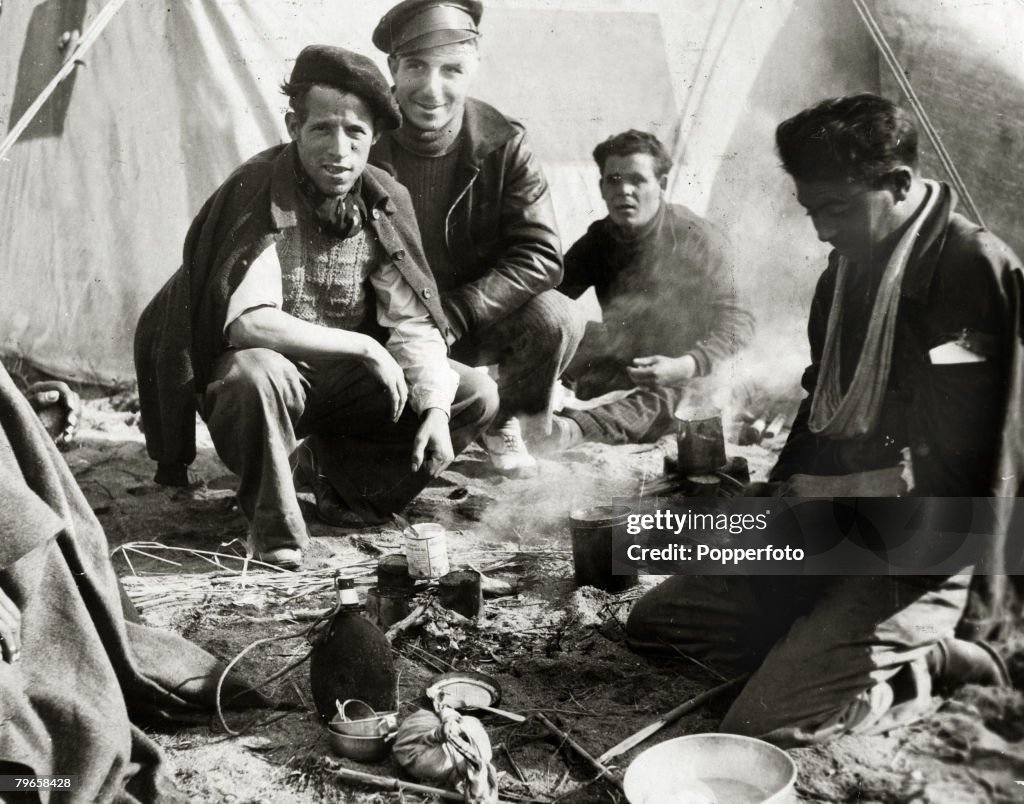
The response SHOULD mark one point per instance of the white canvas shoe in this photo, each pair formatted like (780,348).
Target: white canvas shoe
(509,456)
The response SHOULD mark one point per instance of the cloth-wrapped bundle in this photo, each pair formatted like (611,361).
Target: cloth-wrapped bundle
(448,749)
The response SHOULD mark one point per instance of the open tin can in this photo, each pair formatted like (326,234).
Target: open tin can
(700,440)
(428,551)
(592,532)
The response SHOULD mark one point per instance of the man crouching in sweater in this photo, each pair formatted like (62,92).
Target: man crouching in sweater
(305,307)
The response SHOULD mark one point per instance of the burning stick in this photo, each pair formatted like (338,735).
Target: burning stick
(753,433)
(418,616)
(776,426)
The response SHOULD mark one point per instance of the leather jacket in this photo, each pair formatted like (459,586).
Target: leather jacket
(500,225)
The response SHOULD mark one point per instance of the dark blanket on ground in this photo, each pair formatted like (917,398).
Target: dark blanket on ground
(86,677)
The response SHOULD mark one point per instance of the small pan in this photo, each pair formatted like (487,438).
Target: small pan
(468,690)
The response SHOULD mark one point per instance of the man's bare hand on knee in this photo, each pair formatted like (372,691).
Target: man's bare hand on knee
(383,366)
(433,443)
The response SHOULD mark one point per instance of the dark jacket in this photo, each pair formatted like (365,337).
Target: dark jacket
(669,291)
(961,421)
(181,332)
(500,227)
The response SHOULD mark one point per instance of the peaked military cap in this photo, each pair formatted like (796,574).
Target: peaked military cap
(418,24)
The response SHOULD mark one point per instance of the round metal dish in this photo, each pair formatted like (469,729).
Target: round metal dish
(361,749)
(473,689)
(735,769)
(358,719)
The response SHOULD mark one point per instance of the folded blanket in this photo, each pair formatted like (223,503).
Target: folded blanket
(86,678)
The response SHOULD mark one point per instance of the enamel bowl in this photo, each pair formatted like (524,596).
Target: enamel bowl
(711,769)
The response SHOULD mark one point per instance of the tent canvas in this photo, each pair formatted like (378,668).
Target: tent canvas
(97,196)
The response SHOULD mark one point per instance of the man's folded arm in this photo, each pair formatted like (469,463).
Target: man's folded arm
(255,320)
(271,328)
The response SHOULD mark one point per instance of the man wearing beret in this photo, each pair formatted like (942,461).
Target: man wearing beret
(486,218)
(304,307)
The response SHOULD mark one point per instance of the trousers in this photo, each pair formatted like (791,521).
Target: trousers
(820,648)
(531,346)
(259,405)
(599,366)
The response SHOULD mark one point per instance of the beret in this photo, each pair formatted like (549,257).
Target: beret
(418,24)
(349,72)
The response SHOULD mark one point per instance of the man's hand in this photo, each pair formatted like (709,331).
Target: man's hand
(433,443)
(10,629)
(383,366)
(57,407)
(661,371)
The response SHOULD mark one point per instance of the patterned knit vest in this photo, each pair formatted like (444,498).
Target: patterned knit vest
(324,277)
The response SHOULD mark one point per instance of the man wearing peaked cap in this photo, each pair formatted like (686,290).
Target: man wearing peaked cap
(419,24)
(485,214)
(304,307)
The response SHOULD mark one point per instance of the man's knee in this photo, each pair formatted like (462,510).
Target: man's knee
(556,321)
(477,397)
(652,625)
(250,379)
(641,625)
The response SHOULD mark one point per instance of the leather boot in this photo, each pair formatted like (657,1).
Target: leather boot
(955,662)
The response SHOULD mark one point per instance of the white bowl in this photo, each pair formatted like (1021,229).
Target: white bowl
(732,768)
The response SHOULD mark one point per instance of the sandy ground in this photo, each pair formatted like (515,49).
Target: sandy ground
(553,648)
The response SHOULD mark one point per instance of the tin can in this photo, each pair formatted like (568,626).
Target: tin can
(461,591)
(700,440)
(385,608)
(428,553)
(592,531)
(393,574)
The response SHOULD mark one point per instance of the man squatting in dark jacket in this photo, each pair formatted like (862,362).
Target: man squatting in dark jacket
(913,347)
(486,218)
(668,299)
(305,307)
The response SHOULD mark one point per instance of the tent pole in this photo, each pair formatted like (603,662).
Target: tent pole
(714,44)
(87,40)
(889,56)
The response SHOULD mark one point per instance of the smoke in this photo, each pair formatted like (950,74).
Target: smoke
(763,380)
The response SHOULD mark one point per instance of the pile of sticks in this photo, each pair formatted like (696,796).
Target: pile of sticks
(233,575)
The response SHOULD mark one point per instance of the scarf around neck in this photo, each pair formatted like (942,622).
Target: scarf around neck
(855,413)
(341,215)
